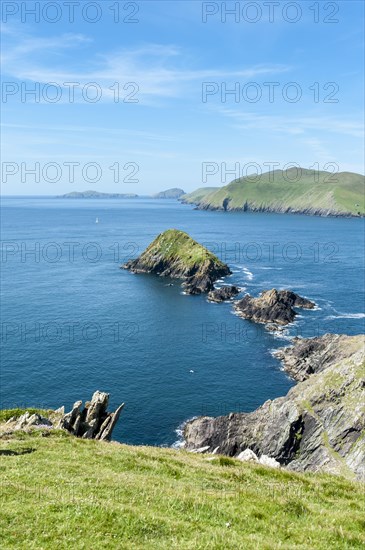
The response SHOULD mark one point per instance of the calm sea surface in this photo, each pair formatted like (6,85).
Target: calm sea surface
(73,322)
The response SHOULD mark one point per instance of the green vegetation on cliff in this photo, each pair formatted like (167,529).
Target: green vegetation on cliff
(198,195)
(61,492)
(174,245)
(175,254)
(307,192)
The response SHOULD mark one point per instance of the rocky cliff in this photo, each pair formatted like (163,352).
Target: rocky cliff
(318,425)
(175,254)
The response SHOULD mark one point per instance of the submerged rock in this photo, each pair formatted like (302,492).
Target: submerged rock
(318,425)
(223,293)
(175,254)
(272,306)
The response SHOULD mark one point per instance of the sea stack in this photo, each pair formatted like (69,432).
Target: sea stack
(272,306)
(175,254)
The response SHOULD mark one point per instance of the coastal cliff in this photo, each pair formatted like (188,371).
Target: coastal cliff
(318,426)
(175,254)
(295,191)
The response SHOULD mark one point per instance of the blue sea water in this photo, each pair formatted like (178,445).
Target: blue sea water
(73,322)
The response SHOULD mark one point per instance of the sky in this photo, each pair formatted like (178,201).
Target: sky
(137,97)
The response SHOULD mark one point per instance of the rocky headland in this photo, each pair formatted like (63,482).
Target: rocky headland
(175,254)
(291,191)
(318,426)
(272,306)
(173,193)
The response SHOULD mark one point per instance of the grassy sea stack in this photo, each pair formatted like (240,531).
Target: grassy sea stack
(175,254)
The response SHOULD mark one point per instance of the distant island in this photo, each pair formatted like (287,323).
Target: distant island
(96,195)
(296,191)
(173,193)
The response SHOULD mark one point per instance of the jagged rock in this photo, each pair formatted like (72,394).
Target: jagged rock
(201,450)
(93,421)
(268,461)
(68,421)
(27,421)
(175,254)
(247,456)
(318,425)
(107,427)
(223,293)
(272,306)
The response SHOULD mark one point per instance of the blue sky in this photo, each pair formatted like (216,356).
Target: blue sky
(165,60)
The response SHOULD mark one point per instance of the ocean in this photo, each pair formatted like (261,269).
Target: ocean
(74,322)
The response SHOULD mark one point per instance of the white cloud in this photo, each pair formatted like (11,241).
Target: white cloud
(295,125)
(158,70)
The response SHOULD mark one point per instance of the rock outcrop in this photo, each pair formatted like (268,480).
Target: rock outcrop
(272,306)
(175,254)
(93,421)
(223,293)
(318,425)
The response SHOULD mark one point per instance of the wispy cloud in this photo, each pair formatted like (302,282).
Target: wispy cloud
(160,71)
(294,125)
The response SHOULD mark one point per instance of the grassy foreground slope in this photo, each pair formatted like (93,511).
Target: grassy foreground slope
(61,492)
(311,192)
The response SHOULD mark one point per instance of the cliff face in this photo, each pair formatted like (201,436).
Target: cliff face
(175,254)
(318,425)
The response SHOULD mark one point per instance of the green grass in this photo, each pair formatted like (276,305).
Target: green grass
(6,414)
(176,245)
(62,492)
(198,195)
(342,193)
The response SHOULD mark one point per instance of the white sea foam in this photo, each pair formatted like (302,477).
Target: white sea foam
(180,443)
(347,316)
(248,273)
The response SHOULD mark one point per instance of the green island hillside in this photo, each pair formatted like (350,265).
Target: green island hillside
(59,491)
(305,192)
(199,194)
(175,254)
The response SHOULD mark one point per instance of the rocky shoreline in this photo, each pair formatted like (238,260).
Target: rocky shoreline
(318,426)
(321,212)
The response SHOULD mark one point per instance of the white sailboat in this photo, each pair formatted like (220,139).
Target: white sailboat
(97,220)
